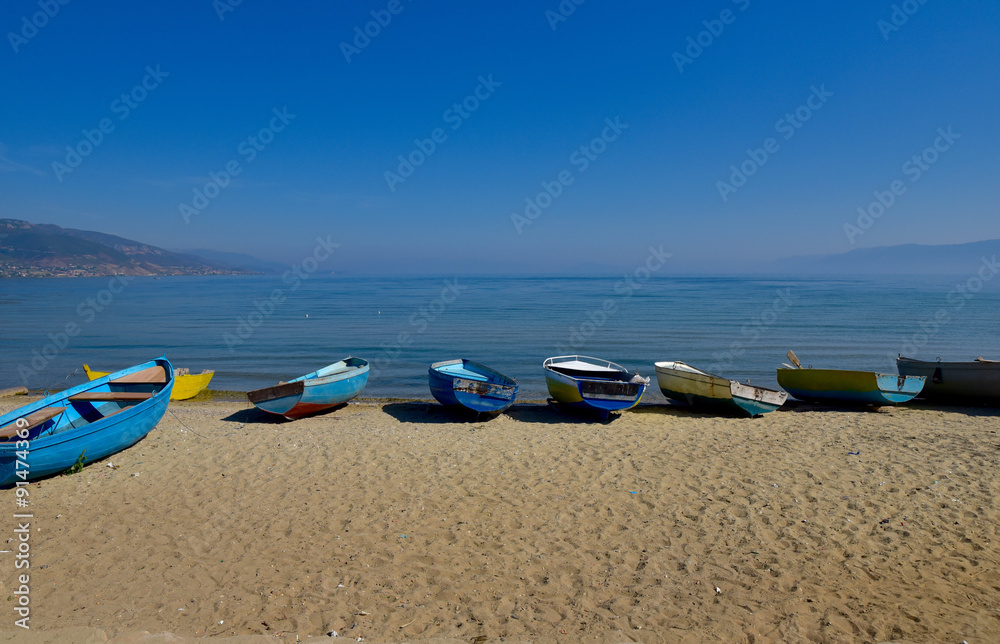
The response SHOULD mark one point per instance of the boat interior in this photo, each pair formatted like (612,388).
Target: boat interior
(88,406)
(586,370)
(344,366)
(459,370)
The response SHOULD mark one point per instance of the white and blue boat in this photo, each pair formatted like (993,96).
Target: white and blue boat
(468,384)
(84,423)
(314,392)
(592,384)
(699,389)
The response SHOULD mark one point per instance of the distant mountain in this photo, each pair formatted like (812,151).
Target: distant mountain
(945,259)
(237,261)
(40,250)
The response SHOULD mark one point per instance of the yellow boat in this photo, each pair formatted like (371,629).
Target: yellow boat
(186,384)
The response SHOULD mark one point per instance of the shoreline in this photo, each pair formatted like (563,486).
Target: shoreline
(792,404)
(396,521)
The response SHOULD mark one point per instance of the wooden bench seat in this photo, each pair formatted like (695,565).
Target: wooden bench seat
(33,419)
(111,395)
(152,375)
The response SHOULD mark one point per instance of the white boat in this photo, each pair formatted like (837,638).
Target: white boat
(685,384)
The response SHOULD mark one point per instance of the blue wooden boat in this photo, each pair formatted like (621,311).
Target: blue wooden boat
(592,384)
(468,384)
(314,392)
(84,423)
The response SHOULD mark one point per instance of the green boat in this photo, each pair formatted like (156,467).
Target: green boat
(849,387)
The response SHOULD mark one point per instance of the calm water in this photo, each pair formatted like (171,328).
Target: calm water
(255,331)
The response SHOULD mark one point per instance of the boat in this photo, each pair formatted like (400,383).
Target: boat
(958,382)
(846,386)
(84,423)
(593,384)
(685,384)
(314,392)
(186,384)
(468,384)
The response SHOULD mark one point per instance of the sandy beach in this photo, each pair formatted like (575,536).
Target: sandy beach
(397,521)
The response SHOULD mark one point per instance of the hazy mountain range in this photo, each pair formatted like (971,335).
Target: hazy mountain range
(40,250)
(45,250)
(945,259)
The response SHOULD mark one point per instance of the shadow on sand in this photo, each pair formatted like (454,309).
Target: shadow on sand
(432,412)
(254,415)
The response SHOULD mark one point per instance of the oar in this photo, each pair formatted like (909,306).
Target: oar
(794,358)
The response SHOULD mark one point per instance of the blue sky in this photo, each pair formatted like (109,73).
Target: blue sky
(688,88)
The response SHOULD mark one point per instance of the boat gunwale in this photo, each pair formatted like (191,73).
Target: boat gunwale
(435,368)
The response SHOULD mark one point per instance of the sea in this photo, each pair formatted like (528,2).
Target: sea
(257,330)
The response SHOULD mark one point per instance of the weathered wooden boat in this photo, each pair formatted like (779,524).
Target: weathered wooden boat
(314,392)
(699,389)
(592,384)
(468,384)
(956,382)
(848,387)
(84,423)
(186,384)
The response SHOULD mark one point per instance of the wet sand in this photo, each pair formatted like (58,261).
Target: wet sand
(397,521)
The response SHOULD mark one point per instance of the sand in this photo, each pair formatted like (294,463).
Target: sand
(397,522)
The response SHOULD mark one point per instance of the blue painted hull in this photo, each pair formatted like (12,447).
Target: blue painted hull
(314,392)
(602,390)
(85,428)
(463,383)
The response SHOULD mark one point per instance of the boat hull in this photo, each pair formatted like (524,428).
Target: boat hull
(470,385)
(314,392)
(185,386)
(685,384)
(601,391)
(955,382)
(849,387)
(57,444)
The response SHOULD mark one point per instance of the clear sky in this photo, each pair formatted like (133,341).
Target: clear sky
(633,115)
